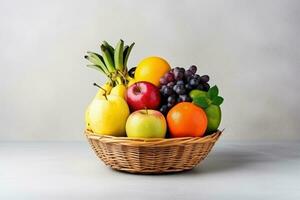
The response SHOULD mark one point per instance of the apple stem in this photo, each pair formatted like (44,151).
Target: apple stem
(146,110)
(137,87)
(105,92)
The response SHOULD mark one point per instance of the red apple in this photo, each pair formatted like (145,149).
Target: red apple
(141,95)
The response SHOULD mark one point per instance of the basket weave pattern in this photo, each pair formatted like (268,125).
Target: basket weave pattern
(151,156)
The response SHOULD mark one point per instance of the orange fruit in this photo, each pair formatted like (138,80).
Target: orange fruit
(186,120)
(151,69)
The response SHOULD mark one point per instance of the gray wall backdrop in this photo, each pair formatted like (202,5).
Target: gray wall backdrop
(249,48)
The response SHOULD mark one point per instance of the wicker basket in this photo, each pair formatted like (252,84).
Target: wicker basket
(151,156)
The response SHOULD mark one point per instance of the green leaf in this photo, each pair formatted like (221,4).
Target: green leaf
(91,59)
(96,67)
(118,56)
(108,60)
(93,54)
(96,59)
(201,102)
(126,54)
(110,48)
(213,92)
(125,50)
(217,100)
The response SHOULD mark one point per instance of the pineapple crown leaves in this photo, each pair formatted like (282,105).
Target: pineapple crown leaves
(113,61)
(212,97)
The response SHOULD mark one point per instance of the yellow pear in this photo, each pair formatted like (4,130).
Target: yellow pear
(107,87)
(99,94)
(119,90)
(107,115)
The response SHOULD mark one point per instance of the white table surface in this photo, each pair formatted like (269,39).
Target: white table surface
(70,170)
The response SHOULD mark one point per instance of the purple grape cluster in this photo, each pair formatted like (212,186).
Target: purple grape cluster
(176,84)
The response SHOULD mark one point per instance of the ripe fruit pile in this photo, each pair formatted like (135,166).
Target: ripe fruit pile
(150,99)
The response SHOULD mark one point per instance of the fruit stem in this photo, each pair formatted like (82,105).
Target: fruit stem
(119,79)
(123,76)
(109,76)
(105,92)
(137,87)
(146,110)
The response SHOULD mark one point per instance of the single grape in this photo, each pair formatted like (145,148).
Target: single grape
(180,82)
(162,87)
(188,73)
(169,77)
(194,82)
(176,69)
(193,69)
(178,75)
(205,86)
(204,78)
(163,109)
(200,87)
(197,76)
(171,84)
(161,90)
(175,88)
(163,81)
(170,105)
(172,99)
(182,97)
(185,98)
(180,89)
(167,91)
(188,87)
(187,79)
(182,70)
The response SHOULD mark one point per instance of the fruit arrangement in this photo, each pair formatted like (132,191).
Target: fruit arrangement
(151,100)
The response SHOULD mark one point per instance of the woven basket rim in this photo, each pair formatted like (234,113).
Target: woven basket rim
(153,141)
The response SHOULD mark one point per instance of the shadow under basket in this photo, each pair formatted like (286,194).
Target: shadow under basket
(152,156)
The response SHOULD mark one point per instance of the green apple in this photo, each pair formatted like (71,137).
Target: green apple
(146,124)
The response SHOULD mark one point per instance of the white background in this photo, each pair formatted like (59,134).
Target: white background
(249,48)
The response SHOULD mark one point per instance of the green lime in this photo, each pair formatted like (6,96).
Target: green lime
(213,113)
